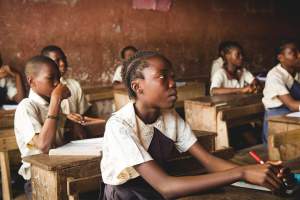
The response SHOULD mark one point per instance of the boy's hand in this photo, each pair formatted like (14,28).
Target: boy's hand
(61,91)
(6,71)
(264,175)
(84,120)
(247,89)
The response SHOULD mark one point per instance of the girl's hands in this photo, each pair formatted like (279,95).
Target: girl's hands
(84,120)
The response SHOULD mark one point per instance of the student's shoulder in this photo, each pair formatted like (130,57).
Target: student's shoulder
(275,72)
(72,81)
(26,104)
(124,117)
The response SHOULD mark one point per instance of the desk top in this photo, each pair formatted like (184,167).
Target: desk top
(232,99)
(285,119)
(235,193)
(52,163)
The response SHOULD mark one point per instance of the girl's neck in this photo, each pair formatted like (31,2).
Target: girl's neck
(232,69)
(147,114)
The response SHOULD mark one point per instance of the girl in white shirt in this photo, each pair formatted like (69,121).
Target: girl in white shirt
(282,88)
(141,137)
(232,78)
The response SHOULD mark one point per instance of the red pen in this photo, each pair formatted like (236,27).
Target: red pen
(256,157)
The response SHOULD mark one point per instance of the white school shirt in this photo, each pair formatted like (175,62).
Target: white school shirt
(30,116)
(77,102)
(216,65)
(118,74)
(127,138)
(10,85)
(220,79)
(278,82)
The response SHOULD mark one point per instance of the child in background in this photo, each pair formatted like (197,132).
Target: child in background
(142,136)
(233,78)
(39,124)
(77,102)
(125,54)
(282,87)
(11,86)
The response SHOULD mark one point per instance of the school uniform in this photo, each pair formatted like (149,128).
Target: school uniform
(278,82)
(128,141)
(221,79)
(30,116)
(118,74)
(7,89)
(216,65)
(77,102)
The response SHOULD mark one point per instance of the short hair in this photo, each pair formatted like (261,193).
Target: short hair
(50,48)
(33,65)
(132,69)
(283,45)
(127,48)
(229,45)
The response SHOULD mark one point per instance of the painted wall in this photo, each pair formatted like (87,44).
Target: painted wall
(92,32)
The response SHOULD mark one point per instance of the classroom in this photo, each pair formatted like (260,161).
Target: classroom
(149,99)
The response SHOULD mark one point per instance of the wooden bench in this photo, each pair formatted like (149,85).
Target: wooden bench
(218,113)
(7,143)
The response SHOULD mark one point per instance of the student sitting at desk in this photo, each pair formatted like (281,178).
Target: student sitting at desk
(11,86)
(125,54)
(142,136)
(282,88)
(39,124)
(233,78)
(77,102)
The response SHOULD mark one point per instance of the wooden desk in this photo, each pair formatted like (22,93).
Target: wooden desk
(189,91)
(235,193)
(7,143)
(282,131)
(218,113)
(98,93)
(49,173)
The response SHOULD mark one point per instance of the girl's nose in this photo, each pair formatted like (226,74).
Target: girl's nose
(171,83)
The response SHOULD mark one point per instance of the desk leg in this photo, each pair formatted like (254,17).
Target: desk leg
(222,139)
(5,174)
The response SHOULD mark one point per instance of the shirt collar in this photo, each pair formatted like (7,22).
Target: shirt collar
(63,80)
(37,98)
(283,70)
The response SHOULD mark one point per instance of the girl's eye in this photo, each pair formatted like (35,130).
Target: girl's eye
(162,76)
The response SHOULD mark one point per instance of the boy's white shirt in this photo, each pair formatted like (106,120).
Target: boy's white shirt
(127,139)
(220,79)
(278,82)
(10,85)
(118,74)
(77,102)
(30,116)
(216,65)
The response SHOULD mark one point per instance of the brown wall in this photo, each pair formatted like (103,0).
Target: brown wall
(91,32)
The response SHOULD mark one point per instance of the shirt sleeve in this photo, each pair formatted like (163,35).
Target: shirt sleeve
(118,74)
(185,138)
(122,150)
(275,86)
(26,123)
(217,80)
(11,88)
(248,76)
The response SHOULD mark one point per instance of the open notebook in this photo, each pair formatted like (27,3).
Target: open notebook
(250,186)
(87,147)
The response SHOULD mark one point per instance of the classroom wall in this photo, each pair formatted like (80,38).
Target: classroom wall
(93,31)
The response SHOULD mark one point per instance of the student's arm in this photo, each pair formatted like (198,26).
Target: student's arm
(210,162)
(290,102)
(173,187)
(223,90)
(45,138)
(18,85)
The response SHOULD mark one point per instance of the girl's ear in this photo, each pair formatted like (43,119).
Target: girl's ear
(279,57)
(30,80)
(136,87)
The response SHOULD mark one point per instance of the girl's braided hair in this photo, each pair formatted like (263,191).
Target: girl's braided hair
(132,69)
